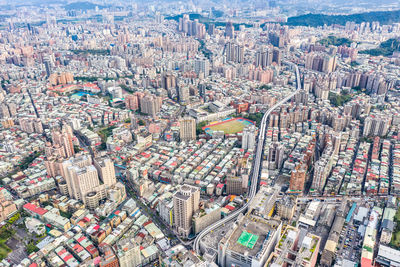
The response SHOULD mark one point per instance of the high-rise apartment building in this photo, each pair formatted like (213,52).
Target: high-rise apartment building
(320,174)
(376,125)
(31,125)
(82,180)
(321,62)
(263,58)
(64,139)
(183,94)
(187,129)
(298,178)
(48,66)
(202,66)
(105,168)
(229,30)
(150,105)
(186,202)
(249,137)
(132,102)
(275,155)
(234,185)
(234,52)
(168,81)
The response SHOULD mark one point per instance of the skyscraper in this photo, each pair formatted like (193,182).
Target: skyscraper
(83,181)
(187,129)
(186,203)
(229,30)
(249,137)
(105,168)
(202,66)
(234,52)
(132,102)
(298,178)
(47,65)
(150,105)
(183,94)
(64,139)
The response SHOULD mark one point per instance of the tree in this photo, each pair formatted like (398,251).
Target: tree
(31,247)
(256,117)
(77,148)
(199,127)
(265,87)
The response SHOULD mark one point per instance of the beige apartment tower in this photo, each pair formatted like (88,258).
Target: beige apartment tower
(105,168)
(187,129)
(186,203)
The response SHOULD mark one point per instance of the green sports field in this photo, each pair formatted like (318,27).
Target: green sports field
(229,126)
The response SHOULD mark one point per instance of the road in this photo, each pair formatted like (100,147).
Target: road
(151,214)
(256,168)
(33,104)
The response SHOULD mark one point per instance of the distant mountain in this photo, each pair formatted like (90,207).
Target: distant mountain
(82,6)
(315,20)
(208,21)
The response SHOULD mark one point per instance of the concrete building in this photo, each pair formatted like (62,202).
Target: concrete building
(83,181)
(202,67)
(249,137)
(7,207)
(296,248)
(186,203)
(234,185)
(150,105)
(298,179)
(183,94)
(388,256)
(105,168)
(254,236)
(206,217)
(249,243)
(128,253)
(187,129)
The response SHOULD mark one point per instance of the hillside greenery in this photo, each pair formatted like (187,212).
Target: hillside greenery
(336,41)
(208,21)
(385,48)
(315,20)
(82,6)
(339,100)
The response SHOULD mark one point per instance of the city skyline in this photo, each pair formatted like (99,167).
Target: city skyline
(200,133)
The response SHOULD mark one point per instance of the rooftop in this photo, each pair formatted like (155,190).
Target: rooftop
(251,235)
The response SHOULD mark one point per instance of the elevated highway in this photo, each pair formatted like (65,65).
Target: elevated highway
(256,167)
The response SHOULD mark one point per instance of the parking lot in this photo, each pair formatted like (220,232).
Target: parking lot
(350,242)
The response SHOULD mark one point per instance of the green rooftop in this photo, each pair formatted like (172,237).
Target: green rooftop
(247,239)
